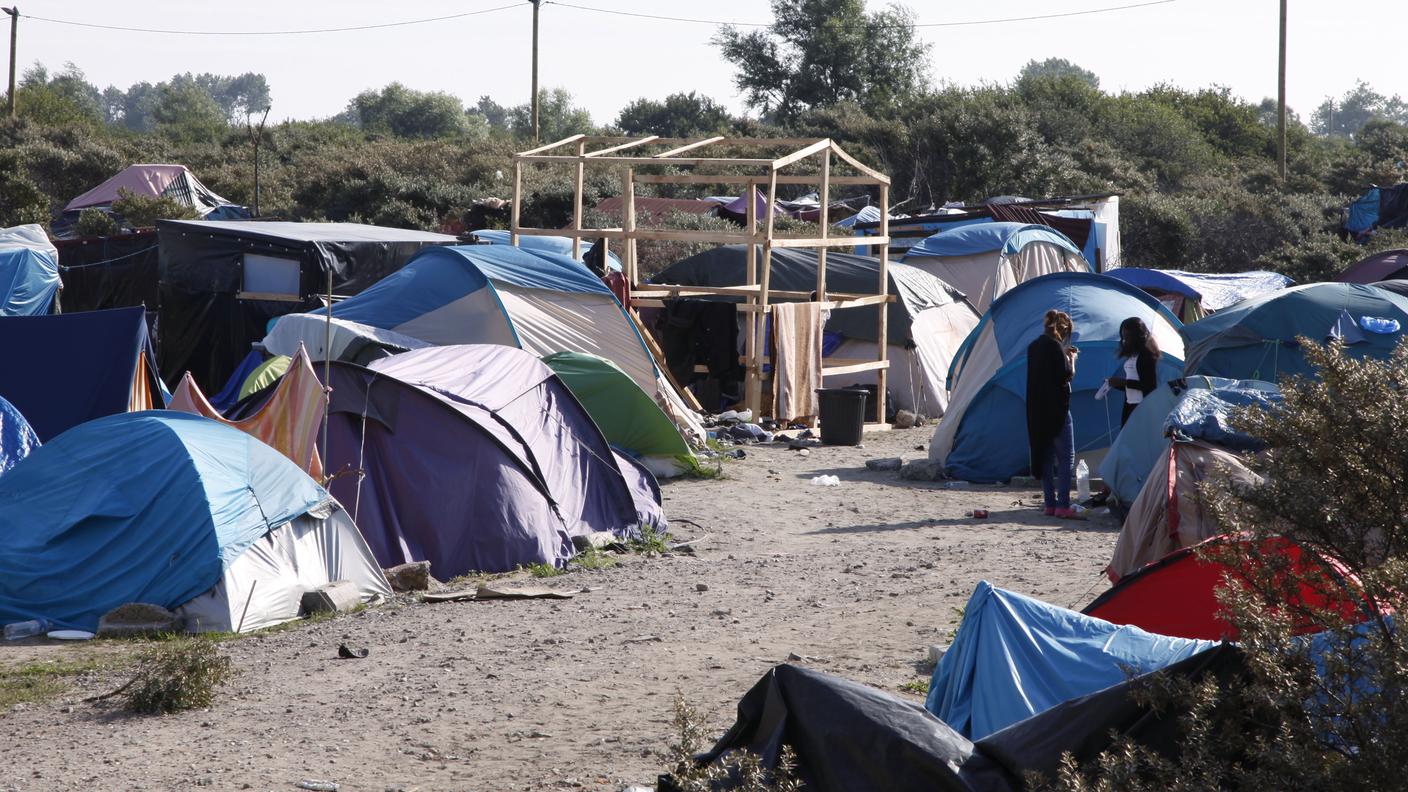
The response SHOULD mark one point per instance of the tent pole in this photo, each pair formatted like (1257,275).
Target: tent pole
(327,378)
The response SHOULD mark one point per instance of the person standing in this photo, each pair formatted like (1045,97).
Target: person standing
(1140,353)
(1051,365)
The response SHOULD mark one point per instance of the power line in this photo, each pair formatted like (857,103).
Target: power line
(965,23)
(401,23)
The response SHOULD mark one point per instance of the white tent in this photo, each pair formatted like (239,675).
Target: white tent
(984,260)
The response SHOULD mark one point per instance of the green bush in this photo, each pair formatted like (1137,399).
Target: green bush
(142,211)
(95,223)
(178,675)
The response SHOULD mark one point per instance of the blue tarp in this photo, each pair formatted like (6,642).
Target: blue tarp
(978,238)
(64,369)
(1256,339)
(560,245)
(1014,657)
(1364,212)
(17,439)
(230,394)
(1213,292)
(29,279)
(140,507)
(990,442)
(1206,414)
(1131,456)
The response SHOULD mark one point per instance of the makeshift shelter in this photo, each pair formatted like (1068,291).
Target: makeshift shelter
(1383,266)
(1142,441)
(65,369)
(626,415)
(1256,339)
(1171,511)
(1192,295)
(288,422)
(983,436)
(17,439)
(985,260)
(1378,207)
(1399,287)
(29,272)
(119,271)
(927,321)
(221,282)
(499,294)
(1014,657)
(475,458)
(173,510)
(154,181)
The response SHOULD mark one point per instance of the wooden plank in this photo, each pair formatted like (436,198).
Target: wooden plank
(632,269)
(877,427)
(517,205)
(830,242)
(800,154)
(622,146)
(753,372)
(690,146)
(825,204)
(550,146)
(270,296)
(834,303)
(878,366)
(735,178)
(715,237)
(661,364)
(881,376)
(561,158)
(855,163)
(577,200)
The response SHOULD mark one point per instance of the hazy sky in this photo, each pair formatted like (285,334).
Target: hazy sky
(608,60)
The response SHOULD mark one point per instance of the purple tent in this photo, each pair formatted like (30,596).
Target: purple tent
(1388,265)
(476,458)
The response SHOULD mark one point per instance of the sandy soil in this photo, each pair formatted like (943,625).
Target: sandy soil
(857,579)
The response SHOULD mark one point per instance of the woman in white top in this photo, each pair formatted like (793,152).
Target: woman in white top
(1140,354)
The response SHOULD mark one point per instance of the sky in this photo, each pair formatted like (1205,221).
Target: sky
(608,60)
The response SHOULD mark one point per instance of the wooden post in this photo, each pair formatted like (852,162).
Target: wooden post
(628,224)
(14,13)
(881,374)
(1281,97)
(825,203)
(577,199)
(753,375)
(536,3)
(515,209)
(766,276)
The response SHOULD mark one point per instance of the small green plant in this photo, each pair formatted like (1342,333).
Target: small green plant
(593,558)
(745,771)
(142,211)
(95,223)
(175,676)
(544,570)
(919,687)
(37,682)
(696,468)
(651,542)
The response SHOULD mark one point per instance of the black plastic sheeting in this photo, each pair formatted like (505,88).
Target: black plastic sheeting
(109,272)
(795,270)
(848,736)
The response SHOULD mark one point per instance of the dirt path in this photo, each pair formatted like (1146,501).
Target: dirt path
(578,693)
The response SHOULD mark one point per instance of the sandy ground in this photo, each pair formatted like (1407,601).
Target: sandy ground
(857,579)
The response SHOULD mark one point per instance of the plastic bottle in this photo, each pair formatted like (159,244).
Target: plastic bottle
(25,629)
(1082,482)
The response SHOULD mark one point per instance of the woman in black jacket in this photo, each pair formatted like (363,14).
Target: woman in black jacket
(1140,354)
(1051,364)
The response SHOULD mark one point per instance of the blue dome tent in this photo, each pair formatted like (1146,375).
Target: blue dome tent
(984,260)
(983,436)
(17,439)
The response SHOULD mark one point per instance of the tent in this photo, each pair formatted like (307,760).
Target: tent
(151,181)
(1378,207)
(984,260)
(64,369)
(1177,594)
(983,436)
(926,323)
(17,439)
(221,282)
(1014,657)
(264,375)
(173,510)
(475,458)
(626,415)
(1170,512)
(29,271)
(560,245)
(1193,295)
(499,294)
(1142,440)
(1256,339)
(1382,266)
(1399,287)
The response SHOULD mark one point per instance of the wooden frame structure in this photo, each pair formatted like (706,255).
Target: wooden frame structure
(641,160)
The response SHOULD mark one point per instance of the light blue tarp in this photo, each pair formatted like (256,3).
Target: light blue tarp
(560,245)
(1014,657)
(1213,292)
(29,279)
(17,440)
(978,238)
(1204,407)
(138,507)
(1256,339)
(1364,212)
(991,439)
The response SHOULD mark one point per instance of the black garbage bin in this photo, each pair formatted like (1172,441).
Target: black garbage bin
(842,415)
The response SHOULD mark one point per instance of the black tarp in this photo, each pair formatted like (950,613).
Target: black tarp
(848,736)
(1393,207)
(795,270)
(208,322)
(109,272)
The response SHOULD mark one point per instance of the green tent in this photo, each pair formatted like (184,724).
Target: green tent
(627,415)
(264,375)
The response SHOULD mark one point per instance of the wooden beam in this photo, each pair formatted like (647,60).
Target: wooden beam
(825,226)
(550,146)
(854,301)
(753,375)
(622,146)
(830,242)
(765,277)
(735,178)
(855,163)
(878,366)
(883,334)
(577,199)
(517,206)
(632,266)
(561,158)
(800,154)
(690,146)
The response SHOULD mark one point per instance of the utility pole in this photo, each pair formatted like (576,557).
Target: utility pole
(535,4)
(257,136)
(1281,96)
(14,13)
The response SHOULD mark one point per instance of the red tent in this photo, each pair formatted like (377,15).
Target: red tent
(1176,595)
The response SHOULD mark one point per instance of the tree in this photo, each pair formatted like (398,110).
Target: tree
(494,114)
(1359,105)
(401,111)
(183,111)
(821,52)
(558,117)
(1056,68)
(238,96)
(63,99)
(679,115)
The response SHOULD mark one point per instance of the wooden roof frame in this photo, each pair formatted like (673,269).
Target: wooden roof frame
(630,153)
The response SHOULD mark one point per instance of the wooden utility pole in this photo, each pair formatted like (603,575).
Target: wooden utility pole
(256,136)
(536,4)
(14,13)
(1281,97)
